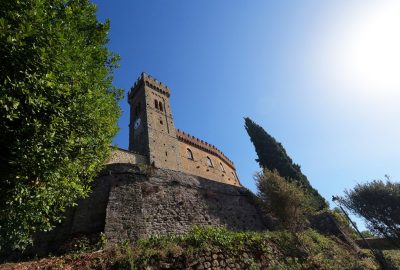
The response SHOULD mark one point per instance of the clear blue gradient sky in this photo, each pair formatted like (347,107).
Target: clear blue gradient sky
(320,76)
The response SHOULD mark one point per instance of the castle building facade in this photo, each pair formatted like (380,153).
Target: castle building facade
(193,183)
(154,140)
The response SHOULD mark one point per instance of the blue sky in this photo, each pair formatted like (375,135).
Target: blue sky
(319,76)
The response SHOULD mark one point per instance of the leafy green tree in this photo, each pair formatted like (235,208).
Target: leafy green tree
(284,200)
(378,202)
(58,111)
(272,156)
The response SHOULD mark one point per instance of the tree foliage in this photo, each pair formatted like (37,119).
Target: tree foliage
(272,156)
(58,111)
(378,202)
(284,200)
(344,223)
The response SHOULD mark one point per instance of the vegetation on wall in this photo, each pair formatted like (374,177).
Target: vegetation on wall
(58,111)
(272,156)
(246,250)
(378,202)
(218,248)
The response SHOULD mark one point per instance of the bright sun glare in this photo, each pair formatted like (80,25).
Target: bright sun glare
(367,56)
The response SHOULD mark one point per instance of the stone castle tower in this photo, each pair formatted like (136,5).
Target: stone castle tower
(151,129)
(154,140)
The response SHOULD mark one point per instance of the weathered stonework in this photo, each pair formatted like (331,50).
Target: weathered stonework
(151,131)
(172,202)
(119,155)
(130,203)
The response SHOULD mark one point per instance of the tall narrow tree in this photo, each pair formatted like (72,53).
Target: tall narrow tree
(272,156)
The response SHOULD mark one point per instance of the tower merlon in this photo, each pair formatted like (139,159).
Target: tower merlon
(149,81)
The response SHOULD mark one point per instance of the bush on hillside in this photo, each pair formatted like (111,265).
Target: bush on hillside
(284,200)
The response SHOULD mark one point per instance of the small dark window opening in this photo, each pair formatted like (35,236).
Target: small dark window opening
(160,105)
(209,162)
(222,167)
(189,154)
(166,153)
(156,104)
(161,122)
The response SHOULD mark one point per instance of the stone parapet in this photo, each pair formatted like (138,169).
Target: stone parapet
(119,155)
(206,147)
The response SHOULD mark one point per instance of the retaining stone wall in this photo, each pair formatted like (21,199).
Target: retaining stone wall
(127,204)
(172,202)
(215,259)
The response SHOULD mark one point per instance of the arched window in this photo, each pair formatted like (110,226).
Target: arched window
(156,104)
(222,167)
(234,176)
(189,154)
(209,162)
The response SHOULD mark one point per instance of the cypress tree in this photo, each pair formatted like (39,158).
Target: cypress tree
(272,156)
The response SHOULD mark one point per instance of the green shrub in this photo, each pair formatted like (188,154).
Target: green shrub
(394,256)
(284,200)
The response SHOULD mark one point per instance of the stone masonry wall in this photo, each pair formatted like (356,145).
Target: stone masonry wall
(119,155)
(214,259)
(172,202)
(87,219)
(163,145)
(129,202)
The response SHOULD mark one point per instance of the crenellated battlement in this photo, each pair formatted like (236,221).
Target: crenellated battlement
(203,145)
(149,81)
